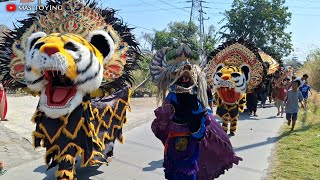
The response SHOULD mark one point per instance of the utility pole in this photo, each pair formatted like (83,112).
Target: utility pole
(197,14)
(201,26)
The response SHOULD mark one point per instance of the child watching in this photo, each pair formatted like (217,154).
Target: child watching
(292,103)
(305,89)
(281,97)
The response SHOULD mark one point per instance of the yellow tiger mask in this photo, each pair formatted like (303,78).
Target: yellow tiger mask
(65,67)
(231,82)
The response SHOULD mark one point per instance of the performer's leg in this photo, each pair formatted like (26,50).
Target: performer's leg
(67,170)
(233,126)
(225,124)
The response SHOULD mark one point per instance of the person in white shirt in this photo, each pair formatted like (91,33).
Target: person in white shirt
(302,80)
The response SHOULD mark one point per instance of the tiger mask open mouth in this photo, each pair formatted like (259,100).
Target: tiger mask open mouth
(231,81)
(65,67)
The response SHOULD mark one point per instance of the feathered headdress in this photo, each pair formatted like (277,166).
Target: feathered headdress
(236,53)
(77,17)
(167,66)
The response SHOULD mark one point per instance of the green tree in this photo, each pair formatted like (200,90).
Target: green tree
(148,39)
(178,33)
(209,40)
(142,73)
(312,68)
(264,22)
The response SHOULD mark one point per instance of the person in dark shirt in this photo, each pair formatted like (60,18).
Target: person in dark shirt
(264,89)
(210,98)
(305,89)
(252,102)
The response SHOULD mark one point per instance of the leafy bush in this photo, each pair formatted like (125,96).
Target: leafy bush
(143,72)
(312,68)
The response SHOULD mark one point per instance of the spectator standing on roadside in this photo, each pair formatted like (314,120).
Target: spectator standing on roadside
(2,170)
(3,103)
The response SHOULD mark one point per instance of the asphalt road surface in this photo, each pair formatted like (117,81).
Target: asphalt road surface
(141,156)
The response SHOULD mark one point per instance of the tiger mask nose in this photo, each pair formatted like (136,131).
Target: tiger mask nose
(50,50)
(187,67)
(225,78)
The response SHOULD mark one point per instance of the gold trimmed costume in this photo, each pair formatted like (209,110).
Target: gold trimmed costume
(232,69)
(273,64)
(78,60)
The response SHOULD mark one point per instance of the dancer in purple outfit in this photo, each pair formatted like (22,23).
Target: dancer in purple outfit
(195,145)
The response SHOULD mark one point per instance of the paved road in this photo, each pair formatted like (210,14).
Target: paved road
(141,155)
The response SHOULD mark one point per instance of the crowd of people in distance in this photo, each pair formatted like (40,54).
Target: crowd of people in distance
(286,95)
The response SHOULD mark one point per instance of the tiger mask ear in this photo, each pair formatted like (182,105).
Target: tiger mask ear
(103,42)
(246,71)
(32,39)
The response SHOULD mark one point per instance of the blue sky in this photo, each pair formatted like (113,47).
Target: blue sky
(147,15)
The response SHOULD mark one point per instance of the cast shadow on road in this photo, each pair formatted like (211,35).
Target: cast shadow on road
(272,140)
(273,117)
(245,117)
(153,165)
(82,173)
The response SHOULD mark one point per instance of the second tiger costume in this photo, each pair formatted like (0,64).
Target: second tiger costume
(232,69)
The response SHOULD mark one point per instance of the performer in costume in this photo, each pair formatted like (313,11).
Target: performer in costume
(195,145)
(272,67)
(78,61)
(233,68)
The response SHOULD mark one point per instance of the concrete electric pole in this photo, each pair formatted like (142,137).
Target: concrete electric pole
(197,14)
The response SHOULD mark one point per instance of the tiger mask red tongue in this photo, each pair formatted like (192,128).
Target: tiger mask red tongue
(59,90)
(229,95)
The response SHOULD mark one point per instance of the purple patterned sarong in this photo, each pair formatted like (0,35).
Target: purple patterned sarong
(215,152)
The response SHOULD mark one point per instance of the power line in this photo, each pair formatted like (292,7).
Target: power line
(160,8)
(305,14)
(173,5)
(135,26)
(302,7)
(151,10)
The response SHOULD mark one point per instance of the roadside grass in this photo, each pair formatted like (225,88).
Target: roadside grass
(297,153)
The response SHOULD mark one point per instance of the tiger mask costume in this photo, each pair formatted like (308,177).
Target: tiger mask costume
(233,69)
(65,67)
(231,82)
